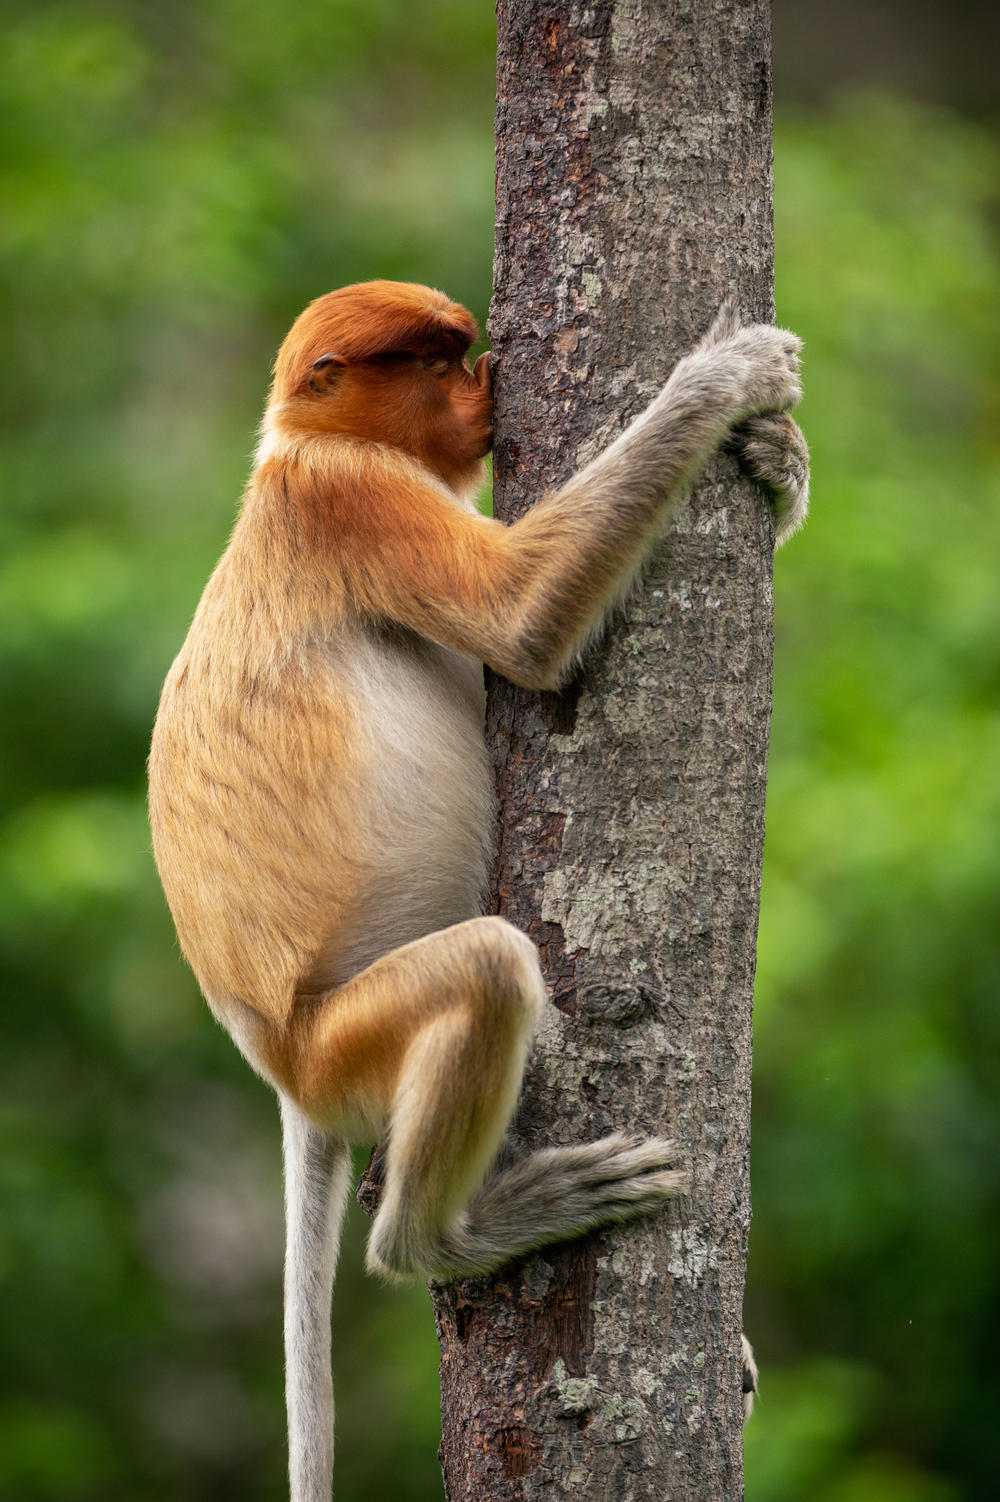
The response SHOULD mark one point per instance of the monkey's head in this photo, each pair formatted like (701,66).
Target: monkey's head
(387,361)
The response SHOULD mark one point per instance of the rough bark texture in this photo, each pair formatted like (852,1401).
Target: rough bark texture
(633,191)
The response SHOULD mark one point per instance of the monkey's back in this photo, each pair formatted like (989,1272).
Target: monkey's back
(315,799)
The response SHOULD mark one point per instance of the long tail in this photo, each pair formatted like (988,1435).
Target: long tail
(317,1177)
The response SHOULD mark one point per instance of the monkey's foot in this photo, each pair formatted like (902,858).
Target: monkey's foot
(749,1378)
(559,1193)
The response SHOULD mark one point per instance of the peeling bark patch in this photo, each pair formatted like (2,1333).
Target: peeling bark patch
(562,707)
(460,1310)
(517,1449)
(464,1316)
(565,1323)
(552,1293)
(557,967)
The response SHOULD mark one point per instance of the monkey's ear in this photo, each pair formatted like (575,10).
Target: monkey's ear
(326,372)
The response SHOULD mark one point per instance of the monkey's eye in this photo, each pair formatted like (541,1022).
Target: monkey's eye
(438,367)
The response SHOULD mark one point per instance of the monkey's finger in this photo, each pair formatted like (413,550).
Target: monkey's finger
(772,450)
(727,321)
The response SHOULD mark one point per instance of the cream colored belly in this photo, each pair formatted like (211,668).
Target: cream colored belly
(429,802)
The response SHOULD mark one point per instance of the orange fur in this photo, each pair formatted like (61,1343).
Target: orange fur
(266,770)
(382,331)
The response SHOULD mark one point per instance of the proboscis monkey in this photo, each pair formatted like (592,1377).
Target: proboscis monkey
(321,800)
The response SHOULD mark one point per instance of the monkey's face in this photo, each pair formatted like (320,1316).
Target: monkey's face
(387,361)
(432,405)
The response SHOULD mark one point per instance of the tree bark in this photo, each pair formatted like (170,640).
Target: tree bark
(633,192)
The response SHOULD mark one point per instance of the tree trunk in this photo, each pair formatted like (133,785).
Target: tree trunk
(633,192)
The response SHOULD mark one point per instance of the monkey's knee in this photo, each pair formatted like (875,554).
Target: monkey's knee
(510,971)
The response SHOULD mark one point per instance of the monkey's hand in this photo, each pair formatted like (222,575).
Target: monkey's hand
(746,368)
(772,450)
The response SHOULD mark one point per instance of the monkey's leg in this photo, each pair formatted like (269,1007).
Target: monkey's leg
(428,1044)
(559,1193)
(433,1036)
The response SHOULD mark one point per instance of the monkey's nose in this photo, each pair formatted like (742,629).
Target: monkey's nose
(482,372)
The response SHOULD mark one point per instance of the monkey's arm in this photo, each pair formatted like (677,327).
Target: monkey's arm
(523,598)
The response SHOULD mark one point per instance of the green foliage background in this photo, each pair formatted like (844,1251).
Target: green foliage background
(177,181)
